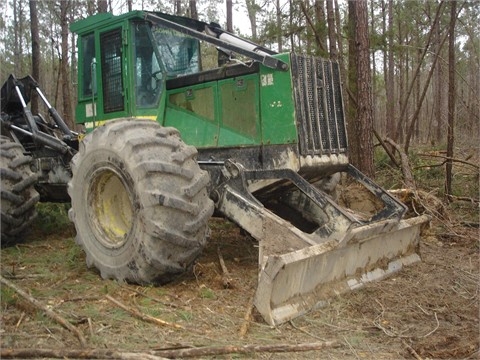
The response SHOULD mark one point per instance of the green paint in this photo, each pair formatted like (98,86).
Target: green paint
(277,105)
(251,109)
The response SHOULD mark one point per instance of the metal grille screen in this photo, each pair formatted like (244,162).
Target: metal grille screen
(111,50)
(318,105)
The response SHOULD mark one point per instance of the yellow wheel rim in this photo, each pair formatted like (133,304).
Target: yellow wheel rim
(110,205)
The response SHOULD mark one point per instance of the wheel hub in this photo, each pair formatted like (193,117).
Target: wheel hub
(110,205)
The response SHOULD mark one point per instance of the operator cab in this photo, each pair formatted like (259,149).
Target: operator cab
(180,56)
(107,55)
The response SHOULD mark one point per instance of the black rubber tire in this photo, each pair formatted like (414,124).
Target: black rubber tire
(139,201)
(18,195)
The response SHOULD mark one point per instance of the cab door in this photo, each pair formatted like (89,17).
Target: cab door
(102,94)
(112,72)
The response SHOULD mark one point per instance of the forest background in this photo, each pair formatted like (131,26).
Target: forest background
(410,68)
(417,88)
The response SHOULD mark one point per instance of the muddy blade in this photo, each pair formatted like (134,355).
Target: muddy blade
(294,283)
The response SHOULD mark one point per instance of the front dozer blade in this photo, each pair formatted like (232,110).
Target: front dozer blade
(311,248)
(292,284)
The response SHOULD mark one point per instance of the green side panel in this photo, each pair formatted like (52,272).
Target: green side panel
(217,113)
(277,105)
(194,130)
(192,111)
(198,100)
(239,111)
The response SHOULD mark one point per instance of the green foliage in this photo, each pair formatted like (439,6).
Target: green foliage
(53,218)
(75,255)
(207,293)
(185,315)
(153,309)
(8,297)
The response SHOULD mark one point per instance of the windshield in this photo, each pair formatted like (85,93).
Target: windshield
(179,53)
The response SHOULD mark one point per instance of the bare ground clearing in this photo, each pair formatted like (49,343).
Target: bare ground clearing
(429,310)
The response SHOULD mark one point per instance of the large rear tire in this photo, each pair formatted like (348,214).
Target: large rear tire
(139,201)
(18,195)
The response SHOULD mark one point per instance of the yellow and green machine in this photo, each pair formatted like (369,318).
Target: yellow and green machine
(184,121)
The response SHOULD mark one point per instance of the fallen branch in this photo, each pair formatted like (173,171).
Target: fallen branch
(245,349)
(411,351)
(22,277)
(22,315)
(226,278)
(246,318)
(75,354)
(386,148)
(405,165)
(463,198)
(141,316)
(162,354)
(50,313)
(448,158)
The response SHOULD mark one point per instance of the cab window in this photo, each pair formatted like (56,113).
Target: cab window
(89,88)
(148,73)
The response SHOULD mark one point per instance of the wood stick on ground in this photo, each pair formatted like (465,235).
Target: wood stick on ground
(226,278)
(447,158)
(463,198)
(245,349)
(411,350)
(50,313)
(247,318)
(141,316)
(386,148)
(22,315)
(162,354)
(75,354)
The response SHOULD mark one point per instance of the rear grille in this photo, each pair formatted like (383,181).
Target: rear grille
(318,106)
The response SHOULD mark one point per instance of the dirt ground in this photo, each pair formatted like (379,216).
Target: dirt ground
(427,311)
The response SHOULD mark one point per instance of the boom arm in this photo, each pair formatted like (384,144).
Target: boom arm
(221,38)
(16,100)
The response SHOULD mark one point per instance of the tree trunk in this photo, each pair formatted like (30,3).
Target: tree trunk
(35,52)
(332,34)
(177,7)
(193,9)
(252,16)
(320,28)
(364,120)
(229,16)
(64,66)
(390,77)
(74,65)
(351,109)
(341,58)
(290,24)
(18,24)
(279,26)
(411,126)
(374,67)
(416,132)
(383,129)
(404,102)
(91,7)
(451,97)
(102,6)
